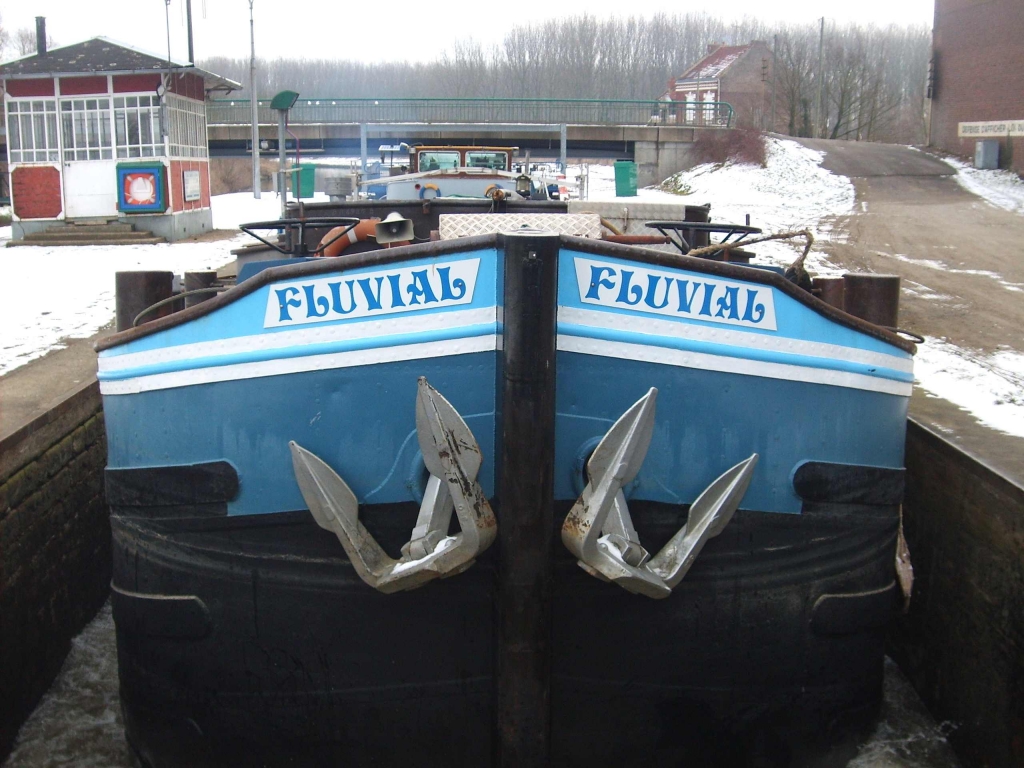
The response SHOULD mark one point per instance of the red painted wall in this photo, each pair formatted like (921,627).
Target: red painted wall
(978,48)
(135,83)
(35,192)
(82,86)
(33,87)
(188,85)
(178,202)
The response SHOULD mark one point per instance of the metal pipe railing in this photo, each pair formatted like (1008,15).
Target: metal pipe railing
(717,114)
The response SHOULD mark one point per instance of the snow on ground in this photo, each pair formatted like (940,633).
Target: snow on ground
(793,192)
(240,207)
(48,294)
(1003,189)
(991,387)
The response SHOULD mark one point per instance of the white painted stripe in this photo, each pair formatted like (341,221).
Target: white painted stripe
(699,360)
(674,329)
(299,365)
(368,329)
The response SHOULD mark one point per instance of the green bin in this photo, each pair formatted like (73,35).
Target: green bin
(625,178)
(303,176)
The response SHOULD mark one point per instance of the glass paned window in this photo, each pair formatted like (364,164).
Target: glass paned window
(434,161)
(187,119)
(32,131)
(85,125)
(493,160)
(138,131)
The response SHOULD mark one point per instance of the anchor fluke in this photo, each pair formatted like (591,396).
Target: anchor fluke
(599,529)
(453,458)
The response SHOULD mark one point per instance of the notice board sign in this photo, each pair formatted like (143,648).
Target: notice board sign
(190,182)
(991,129)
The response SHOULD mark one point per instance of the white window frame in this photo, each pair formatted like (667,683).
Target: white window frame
(142,112)
(187,123)
(85,123)
(40,118)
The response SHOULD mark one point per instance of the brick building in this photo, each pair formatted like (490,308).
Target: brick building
(977,60)
(737,74)
(100,130)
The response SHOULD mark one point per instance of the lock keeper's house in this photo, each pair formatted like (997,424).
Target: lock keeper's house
(100,131)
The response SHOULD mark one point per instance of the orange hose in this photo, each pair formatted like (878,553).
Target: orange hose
(366,228)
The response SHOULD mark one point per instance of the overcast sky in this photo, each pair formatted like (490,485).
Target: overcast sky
(383,31)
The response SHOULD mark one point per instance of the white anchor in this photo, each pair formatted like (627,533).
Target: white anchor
(453,458)
(600,532)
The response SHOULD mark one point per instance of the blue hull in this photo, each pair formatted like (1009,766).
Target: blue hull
(271,649)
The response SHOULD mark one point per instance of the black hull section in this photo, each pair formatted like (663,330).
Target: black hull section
(251,641)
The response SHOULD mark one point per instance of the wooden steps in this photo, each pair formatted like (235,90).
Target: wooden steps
(89,232)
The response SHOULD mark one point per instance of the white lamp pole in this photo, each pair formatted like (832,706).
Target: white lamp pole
(255,116)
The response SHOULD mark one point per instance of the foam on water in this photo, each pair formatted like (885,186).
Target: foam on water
(78,722)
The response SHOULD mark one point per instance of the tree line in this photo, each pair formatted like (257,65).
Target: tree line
(871,79)
(870,84)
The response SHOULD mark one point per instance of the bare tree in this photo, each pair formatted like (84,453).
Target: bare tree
(873,77)
(24,42)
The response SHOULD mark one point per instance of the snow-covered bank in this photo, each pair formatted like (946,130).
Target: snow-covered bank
(1003,189)
(52,293)
(989,387)
(792,192)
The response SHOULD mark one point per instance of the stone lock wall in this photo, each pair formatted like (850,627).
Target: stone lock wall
(962,641)
(54,548)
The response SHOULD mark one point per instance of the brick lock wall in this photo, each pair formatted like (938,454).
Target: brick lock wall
(979,56)
(54,559)
(35,192)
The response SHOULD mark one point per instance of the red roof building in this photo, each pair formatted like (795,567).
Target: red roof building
(737,74)
(100,130)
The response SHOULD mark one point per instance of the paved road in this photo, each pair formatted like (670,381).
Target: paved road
(862,160)
(961,260)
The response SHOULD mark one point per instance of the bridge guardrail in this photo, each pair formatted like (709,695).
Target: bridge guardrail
(717,114)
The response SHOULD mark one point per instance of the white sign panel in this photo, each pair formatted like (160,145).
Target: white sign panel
(193,189)
(383,292)
(992,129)
(675,294)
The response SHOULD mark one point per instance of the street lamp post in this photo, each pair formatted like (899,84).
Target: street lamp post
(255,109)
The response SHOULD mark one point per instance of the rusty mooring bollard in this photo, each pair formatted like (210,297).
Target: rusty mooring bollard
(830,290)
(134,291)
(195,281)
(875,298)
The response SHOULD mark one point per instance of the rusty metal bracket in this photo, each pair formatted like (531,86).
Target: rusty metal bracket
(453,458)
(600,532)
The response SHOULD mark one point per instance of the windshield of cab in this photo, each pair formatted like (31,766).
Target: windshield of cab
(494,160)
(438,161)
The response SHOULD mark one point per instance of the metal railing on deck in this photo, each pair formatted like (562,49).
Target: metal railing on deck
(717,114)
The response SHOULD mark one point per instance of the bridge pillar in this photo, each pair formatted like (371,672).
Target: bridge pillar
(657,160)
(563,138)
(362,147)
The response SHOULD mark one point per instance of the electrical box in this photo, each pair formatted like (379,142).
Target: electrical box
(986,154)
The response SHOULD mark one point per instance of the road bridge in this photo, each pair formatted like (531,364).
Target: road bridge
(658,135)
